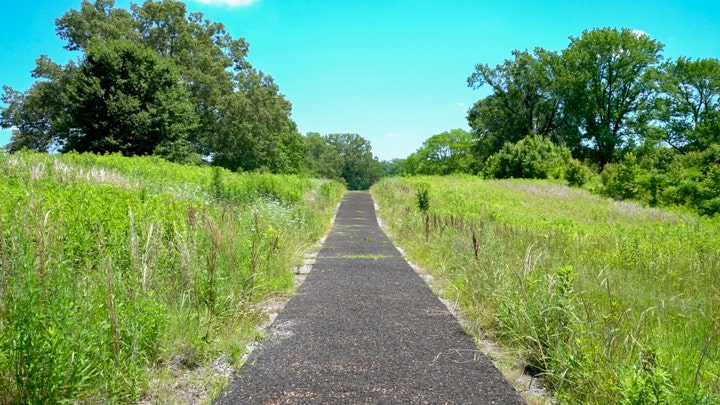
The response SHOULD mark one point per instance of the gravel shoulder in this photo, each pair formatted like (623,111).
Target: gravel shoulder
(365,328)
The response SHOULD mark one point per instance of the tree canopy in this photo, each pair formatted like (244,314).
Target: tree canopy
(125,98)
(217,105)
(344,157)
(322,158)
(522,101)
(442,154)
(689,109)
(607,78)
(360,168)
(651,126)
(593,97)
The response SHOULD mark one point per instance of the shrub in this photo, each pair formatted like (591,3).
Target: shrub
(663,178)
(533,157)
(577,174)
(619,179)
(423,197)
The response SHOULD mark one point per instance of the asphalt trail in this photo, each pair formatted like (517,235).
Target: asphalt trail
(364,328)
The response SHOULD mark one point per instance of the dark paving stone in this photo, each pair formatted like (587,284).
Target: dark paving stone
(364,328)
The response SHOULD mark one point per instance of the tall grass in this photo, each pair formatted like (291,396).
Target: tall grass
(114,266)
(609,301)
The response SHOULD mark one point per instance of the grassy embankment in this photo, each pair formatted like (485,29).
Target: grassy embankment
(115,272)
(612,302)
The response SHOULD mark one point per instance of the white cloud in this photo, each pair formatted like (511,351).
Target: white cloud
(392,135)
(461,105)
(640,33)
(231,3)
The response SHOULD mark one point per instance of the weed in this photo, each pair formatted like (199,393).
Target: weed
(423,197)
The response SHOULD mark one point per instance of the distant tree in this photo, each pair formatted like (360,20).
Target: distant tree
(394,167)
(606,79)
(124,98)
(652,128)
(360,168)
(323,159)
(445,153)
(690,108)
(411,164)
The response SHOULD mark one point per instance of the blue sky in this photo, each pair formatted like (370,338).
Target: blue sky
(393,71)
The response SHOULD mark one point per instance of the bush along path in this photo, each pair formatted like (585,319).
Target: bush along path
(365,328)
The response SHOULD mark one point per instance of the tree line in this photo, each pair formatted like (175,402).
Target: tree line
(609,107)
(607,94)
(158,80)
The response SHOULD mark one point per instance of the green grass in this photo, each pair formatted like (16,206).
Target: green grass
(609,301)
(114,270)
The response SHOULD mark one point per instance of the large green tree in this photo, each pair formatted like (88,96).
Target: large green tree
(690,106)
(594,97)
(125,98)
(606,79)
(235,105)
(522,101)
(254,128)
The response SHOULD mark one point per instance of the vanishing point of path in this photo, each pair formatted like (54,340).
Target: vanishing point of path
(364,328)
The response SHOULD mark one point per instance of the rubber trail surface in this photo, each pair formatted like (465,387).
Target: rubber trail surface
(364,328)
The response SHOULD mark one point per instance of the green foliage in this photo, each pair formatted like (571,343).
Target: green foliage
(647,382)
(360,169)
(595,97)
(346,158)
(112,267)
(37,116)
(533,157)
(126,99)
(423,197)
(619,180)
(155,80)
(662,177)
(605,96)
(323,159)
(522,102)
(608,301)
(395,167)
(540,315)
(691,105)
(606,79)
(577,174)
(242,140)
(443,154)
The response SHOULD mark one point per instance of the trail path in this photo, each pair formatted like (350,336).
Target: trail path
(364,328)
